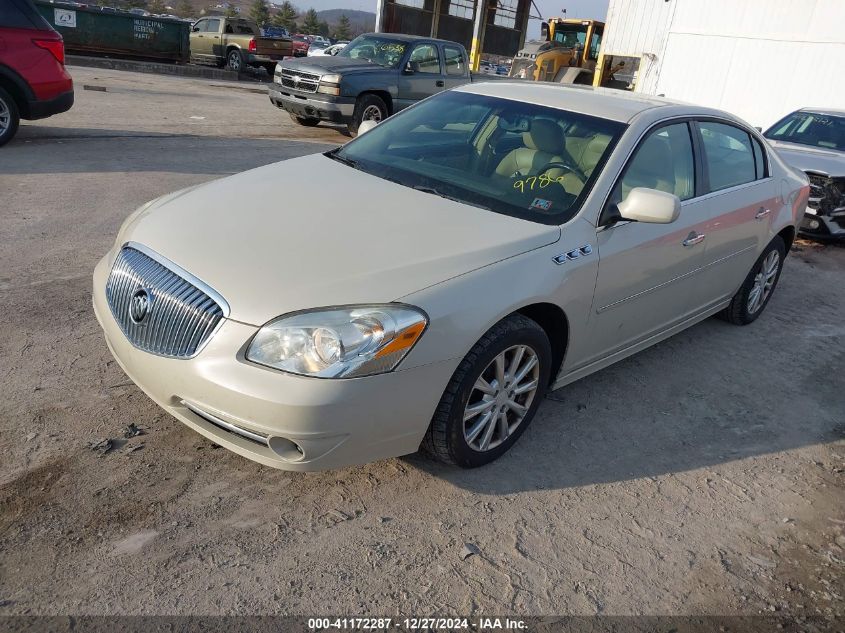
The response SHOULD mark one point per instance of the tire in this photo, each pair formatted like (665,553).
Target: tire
(367,107)
(305,121)
(764,276)
(235,61)
(10,117)
(271,69)
(449,438)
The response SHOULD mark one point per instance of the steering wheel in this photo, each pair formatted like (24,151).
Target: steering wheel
(559,165)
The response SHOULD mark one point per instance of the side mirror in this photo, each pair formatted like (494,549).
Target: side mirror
(366,126)
(196,29)
(411,68)
(650,205)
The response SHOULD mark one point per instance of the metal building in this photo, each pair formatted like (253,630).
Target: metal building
(494,27)
(759,59)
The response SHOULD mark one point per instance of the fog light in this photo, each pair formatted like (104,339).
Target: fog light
(814,224)
(286,449)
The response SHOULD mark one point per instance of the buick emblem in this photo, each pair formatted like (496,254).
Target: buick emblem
(139,306)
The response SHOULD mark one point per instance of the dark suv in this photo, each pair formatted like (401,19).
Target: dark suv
(33,81)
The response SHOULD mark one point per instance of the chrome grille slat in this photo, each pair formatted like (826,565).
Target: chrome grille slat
(183,313)
(299,80)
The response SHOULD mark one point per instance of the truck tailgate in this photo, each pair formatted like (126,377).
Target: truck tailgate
(275,47)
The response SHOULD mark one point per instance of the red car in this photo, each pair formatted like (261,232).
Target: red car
(33,80)
(301,43)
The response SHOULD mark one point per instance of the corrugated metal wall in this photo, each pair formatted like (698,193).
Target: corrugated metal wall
(757,58)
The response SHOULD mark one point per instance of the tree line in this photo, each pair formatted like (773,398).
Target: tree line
(286,15)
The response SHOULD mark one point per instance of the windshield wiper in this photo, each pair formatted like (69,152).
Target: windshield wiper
(435,192)
(333,154)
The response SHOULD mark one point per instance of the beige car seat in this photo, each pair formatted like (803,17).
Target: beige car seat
(543,144)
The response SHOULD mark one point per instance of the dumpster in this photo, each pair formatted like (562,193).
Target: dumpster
(89,30)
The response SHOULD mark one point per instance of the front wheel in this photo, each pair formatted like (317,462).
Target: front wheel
(9,117)
(492,396)
(368,108)
(752,297)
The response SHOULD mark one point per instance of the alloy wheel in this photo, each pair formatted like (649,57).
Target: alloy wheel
(371,113)
(764,281)
(235,60)
(5,117)
(501,398)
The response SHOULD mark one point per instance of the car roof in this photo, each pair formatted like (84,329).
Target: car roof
(408,38)
(827,111)
(617,105)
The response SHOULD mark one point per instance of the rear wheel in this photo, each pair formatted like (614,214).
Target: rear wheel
(493,394)
(234,60)
(305,121)
(9,117)
(752,297)
(369,107)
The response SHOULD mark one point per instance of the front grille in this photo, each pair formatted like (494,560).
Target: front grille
(160,310)
(826,194)
(298,80)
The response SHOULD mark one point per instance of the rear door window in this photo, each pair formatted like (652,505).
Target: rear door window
(454,60)
(728,155)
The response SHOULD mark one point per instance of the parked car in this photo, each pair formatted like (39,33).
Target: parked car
(332,50)
(236,43)
(301,44)
(374,76)
(456,261)
(34,82)
(813,140)
(274,31)
(316,48)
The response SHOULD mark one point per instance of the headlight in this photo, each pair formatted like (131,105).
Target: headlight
(329,85)
(339,343)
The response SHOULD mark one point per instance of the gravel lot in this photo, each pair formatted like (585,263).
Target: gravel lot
(703,476)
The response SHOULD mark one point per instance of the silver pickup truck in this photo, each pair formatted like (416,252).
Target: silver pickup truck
(374,76)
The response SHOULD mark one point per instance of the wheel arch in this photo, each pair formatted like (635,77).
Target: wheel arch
(787,234)
(555,323)
(384,95)
(17,88)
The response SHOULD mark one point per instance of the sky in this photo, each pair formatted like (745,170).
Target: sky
(590,9)
(595,9)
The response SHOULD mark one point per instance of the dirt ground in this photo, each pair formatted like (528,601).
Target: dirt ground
(703,476)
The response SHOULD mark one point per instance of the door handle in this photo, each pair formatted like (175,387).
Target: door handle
(762,213)
(439,83)
(693,238)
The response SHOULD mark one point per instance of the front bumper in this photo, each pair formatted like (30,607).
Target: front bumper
(281,420)
(817,225)
(338,110)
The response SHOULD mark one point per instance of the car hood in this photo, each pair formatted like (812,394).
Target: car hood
(322,64)
(334,236)
(808,158)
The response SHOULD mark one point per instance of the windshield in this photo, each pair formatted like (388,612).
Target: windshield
(509,157)
(379,50)
(810,128)
(571,35)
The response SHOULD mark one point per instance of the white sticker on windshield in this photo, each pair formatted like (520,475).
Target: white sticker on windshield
(540,203)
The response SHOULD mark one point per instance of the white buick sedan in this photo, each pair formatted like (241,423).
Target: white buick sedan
(426,284)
